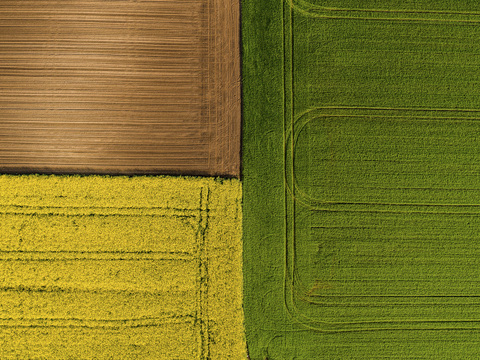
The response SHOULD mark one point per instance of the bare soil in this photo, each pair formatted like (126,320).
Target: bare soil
(120,87)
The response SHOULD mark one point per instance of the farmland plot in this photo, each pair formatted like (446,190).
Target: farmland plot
(117,267)
(120,87)
(361,179)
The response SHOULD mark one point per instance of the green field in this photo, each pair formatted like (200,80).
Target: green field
(120,268)
(361,187)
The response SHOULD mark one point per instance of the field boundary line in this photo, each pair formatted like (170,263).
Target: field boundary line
(312,10)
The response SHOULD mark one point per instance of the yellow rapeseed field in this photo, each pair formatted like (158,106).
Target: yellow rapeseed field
(100,267)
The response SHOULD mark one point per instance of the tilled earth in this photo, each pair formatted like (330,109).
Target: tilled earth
(120,87)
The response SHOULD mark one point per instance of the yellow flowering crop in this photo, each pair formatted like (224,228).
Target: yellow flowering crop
(120,267)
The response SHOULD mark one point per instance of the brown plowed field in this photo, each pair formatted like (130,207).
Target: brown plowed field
(120,87)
